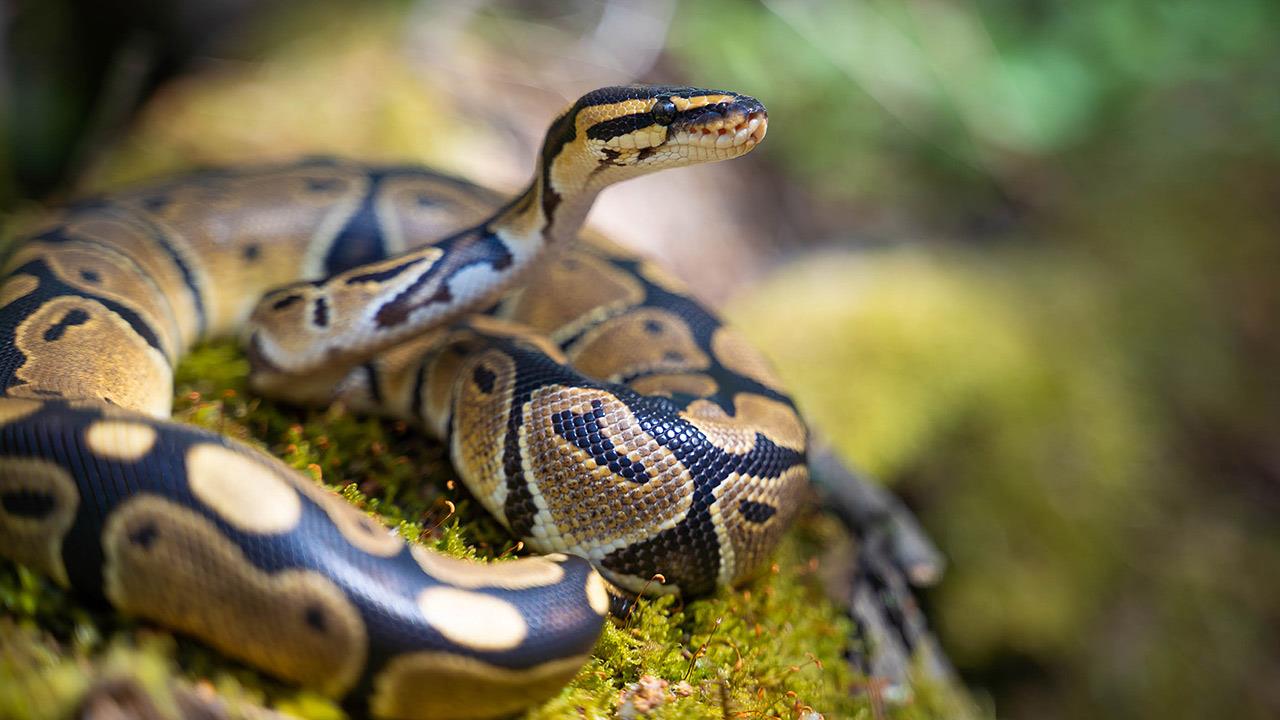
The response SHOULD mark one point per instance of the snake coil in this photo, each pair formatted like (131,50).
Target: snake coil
(593,407)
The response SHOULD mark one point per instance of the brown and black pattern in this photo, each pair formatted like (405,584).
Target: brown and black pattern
(599,411)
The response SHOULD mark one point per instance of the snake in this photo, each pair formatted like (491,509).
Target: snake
(587,400)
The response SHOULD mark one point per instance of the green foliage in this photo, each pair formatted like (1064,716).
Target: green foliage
(950,108)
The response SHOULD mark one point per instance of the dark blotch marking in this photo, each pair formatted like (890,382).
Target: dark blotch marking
(72,318)
(460,252)
(687,554)
(285,302)
(673,356)
(323,184)
(144,536)
(315,618)
(321,312)
(29,504)
(484,379)
(664,111)
(90,276)
(653,327)
(419,387)
(645,153)
(371,378)
(155,203)
(251,252)
(563,131)
(426,200)
(756,512)
(360,241)
(611,156)
(614,127)
(586,433)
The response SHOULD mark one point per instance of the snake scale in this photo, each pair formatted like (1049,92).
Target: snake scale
(600,413)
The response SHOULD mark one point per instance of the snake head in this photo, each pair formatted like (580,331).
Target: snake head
(643,128)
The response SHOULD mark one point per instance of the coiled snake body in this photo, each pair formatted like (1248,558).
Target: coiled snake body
(596,410)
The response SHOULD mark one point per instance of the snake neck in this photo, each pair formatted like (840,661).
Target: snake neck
(318,329)
(541,217)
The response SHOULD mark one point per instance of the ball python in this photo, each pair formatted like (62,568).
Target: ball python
(593,407)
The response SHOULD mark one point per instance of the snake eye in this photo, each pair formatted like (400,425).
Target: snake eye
(664,111)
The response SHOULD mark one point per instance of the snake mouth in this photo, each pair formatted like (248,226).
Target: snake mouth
(725,132)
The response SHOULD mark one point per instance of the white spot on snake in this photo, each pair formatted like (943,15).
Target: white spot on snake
(473,620)
(120,439)
(597,594)
(471,574)
(247,494)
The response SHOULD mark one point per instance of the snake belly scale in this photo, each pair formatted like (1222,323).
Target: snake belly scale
(601,414)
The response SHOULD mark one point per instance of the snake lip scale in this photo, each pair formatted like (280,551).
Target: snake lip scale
(602,415)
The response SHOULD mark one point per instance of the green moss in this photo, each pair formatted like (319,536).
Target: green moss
(769,649)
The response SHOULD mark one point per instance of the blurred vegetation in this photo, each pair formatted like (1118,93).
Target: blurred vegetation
(1065,360)
(1032,286)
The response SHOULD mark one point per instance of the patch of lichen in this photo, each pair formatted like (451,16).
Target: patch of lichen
(770,649)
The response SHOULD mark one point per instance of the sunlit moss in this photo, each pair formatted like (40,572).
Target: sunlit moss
(769,649)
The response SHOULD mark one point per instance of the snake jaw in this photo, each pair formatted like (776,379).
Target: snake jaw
(744,133)
(720,130)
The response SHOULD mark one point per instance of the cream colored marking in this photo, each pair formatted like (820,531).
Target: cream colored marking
(695,384)
(501,328)
(698,101)
(560,474)
(752,414)
(18,286)
(480,426)
(245,493)
(637,585)
(565,297)
(358,528)
(735,353)
(436,685)
(472,574)
(597,595)
(312,358)
(126,369)
(724,576)
(658,276)
(119,279)
(169,564)
(473,620)
(14,409)
(37,541)
(121,439)
(751,542)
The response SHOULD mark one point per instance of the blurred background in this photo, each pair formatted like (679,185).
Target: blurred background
(1018,260)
